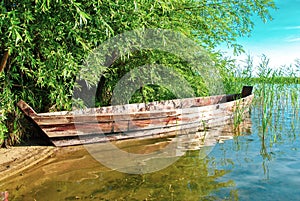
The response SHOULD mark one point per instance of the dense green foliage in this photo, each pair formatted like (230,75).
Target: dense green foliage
(48,41)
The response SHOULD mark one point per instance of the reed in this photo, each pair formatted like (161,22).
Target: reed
(273,88)
(276,97)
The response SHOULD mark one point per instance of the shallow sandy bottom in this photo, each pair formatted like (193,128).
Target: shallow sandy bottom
(14,160)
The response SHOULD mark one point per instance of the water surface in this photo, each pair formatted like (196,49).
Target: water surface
(254,165)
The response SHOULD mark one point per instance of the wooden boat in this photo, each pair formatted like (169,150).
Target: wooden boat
(141,120)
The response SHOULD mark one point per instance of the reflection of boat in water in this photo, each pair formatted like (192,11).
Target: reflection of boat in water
(156,119)
(189,141)
(151,154)
(218,134)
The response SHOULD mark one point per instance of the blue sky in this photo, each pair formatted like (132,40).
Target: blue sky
(279,39)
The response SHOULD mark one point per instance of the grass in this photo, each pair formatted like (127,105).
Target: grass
(272,86)
(276,95)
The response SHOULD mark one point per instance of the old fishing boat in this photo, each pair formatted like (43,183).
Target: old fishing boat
(141,120)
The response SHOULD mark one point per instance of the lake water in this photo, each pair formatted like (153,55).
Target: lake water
(254,165)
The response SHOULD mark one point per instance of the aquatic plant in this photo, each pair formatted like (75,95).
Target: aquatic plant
(276,93)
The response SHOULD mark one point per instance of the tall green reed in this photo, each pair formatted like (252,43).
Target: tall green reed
(276,92)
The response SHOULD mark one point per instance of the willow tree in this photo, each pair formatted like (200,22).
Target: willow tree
(44,42)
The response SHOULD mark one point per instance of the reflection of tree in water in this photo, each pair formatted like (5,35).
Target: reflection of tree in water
(190,178)
(75,175)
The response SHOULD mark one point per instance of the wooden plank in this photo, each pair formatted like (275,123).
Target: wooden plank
(159,105)
(108,123)
(152,133)
(90,129)
(72,119)
(161,132)
(83,129)
(133,125)
(246,91)
(116,137)
(27,110)
(134,108)
(203,114)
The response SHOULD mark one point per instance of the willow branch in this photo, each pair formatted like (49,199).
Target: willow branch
(3,61)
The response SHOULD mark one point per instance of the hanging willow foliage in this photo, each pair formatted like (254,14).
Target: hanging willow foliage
(44,43)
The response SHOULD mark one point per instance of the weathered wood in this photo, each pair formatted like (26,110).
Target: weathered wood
(4,61)
(96,138)
(246,91)
(26,109)
(134,125)
(99,118)
(138,120)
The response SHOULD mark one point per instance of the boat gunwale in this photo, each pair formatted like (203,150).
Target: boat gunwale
(193,119)
(214,111)
(71,113)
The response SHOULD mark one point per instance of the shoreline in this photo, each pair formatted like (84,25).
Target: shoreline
(15,159)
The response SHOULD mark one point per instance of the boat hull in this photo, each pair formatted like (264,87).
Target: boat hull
(155,120)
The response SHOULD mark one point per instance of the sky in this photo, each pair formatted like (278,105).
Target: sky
(278,39)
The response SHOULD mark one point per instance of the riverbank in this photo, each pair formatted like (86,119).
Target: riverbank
(14,160)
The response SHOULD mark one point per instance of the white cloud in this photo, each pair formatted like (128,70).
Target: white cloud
(292,27)
(277,58)
(295,39)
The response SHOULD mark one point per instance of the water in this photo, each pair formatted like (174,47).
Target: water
(264,165)
(254,165)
